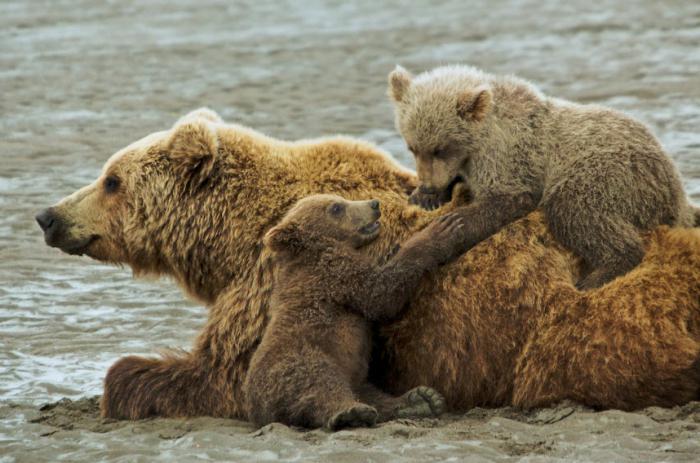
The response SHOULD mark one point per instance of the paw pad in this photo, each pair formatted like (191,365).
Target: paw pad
(357,416)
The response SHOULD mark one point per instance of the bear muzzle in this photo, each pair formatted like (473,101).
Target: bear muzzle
(56,233)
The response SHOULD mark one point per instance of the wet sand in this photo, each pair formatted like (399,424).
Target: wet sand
(81,79)
(567,432)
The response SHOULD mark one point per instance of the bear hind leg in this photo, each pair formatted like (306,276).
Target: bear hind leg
(613,256)
(327,400)
(610,246)
(172,386)
(304,388)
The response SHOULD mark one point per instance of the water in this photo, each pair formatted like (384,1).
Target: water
(81,79)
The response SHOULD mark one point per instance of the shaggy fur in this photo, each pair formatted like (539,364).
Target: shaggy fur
(600,176)
(501,325)
(311,367)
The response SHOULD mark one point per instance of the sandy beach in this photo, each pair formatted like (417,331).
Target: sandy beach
(567,432)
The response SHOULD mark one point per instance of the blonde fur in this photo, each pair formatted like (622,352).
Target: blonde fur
(501,325)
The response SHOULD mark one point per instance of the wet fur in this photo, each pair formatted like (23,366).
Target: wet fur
(311,367)
(502,325)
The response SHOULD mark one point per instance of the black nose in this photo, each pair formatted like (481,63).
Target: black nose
(374,204)
(46,219)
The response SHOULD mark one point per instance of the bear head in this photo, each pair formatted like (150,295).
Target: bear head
(317,221)
(129,212)
(443,115)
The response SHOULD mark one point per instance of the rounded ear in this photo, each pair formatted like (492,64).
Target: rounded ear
(193,147)
(474,105)
(399,81)
(284,237)
(201,113)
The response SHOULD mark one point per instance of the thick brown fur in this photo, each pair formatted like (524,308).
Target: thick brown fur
(311,367)
(501,325)
(600,176)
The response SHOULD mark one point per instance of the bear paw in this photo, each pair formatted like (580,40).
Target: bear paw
(421,402)
(357,416)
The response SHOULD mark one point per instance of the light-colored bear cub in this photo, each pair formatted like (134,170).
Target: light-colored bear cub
(599,175)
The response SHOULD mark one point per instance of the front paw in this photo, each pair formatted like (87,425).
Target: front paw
(447,237)
(439,242)
(427,200)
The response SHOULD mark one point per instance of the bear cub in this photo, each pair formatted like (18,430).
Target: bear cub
(310,368)
(600,176)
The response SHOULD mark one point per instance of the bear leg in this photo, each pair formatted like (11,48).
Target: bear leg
(616,251)
(303,388)
(172,386)
(610,245)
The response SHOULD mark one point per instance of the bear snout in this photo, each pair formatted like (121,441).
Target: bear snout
(52,226)
(46,220)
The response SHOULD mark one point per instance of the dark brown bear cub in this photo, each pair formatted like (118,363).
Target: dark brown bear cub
(310,369)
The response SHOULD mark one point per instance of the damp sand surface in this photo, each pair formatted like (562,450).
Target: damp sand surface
(80,79)
(567,432)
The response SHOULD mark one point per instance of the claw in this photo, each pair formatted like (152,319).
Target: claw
(422,402)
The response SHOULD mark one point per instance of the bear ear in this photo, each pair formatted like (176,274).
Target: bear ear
(399,81)
(193,147)
(201,113)
(285,237)
(474,105)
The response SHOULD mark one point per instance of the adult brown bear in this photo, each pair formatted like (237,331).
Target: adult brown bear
(502,325)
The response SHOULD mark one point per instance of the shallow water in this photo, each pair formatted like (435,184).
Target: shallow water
(81,79)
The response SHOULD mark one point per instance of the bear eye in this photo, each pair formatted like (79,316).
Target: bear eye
(439,153)
(111,184)
(337,209)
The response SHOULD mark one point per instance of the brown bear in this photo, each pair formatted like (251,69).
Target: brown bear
(311,366)
(502,325)
(600,176)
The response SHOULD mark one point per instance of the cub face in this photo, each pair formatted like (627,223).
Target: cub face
(441,116)
(319,218)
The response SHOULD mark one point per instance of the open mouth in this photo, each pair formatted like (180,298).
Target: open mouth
(370,228)
(447,192)
(431,199)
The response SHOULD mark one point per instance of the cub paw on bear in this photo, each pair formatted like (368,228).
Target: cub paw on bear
(502,325)
(600,177)
(311,366)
